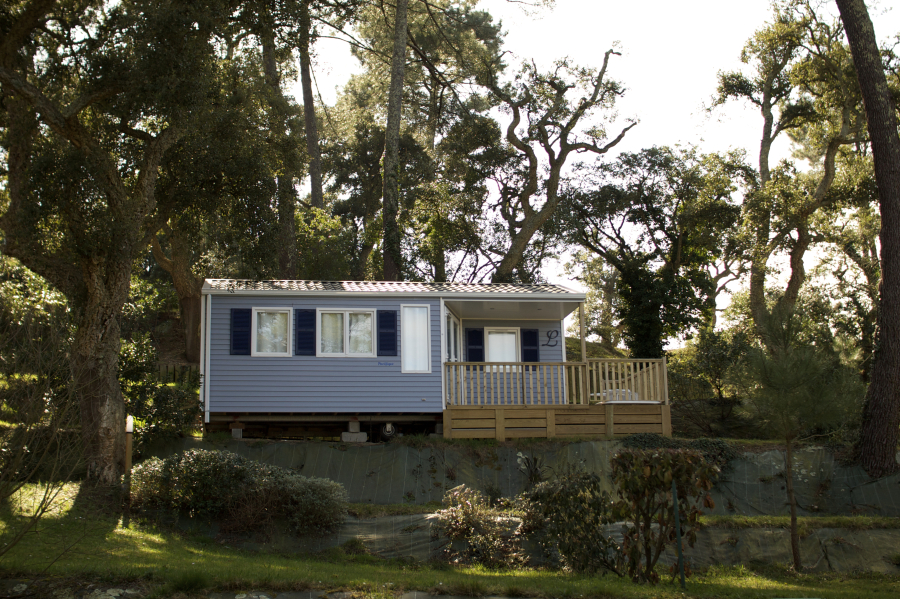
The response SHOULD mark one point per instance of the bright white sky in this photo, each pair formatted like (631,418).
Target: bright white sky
(671,53)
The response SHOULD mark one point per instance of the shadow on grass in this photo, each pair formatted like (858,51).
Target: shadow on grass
(81,517)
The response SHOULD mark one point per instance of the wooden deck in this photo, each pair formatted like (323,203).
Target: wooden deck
(596,399)
(600,421)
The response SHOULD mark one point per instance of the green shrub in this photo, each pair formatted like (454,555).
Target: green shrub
(244,494)
(568,515)
(644,479)
(160,410)
(717,452)
(477,532)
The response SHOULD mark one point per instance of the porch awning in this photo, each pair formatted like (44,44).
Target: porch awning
(512,309)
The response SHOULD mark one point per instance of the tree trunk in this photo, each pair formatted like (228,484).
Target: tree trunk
(286,196)
(190,322)
(391,185)
(881,414)
(792,501)
(440,264)
(187,286)
(95,357)
(287,227)
(519,243)
(309,112)
(98,290)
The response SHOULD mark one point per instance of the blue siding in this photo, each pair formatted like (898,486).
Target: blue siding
(313,384)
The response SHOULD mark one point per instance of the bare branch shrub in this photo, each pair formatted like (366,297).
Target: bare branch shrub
(39,436)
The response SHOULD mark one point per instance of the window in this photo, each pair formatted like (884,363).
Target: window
(346,333)
(271,334)
(415,339)
(501,345)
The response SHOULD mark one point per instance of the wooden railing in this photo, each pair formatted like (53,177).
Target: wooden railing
(628,380)
(555,383)
(515,383)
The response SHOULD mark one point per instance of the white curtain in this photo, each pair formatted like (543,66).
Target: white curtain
(502,347)
(271,332)
(414,339)
(360,333)
(332,333)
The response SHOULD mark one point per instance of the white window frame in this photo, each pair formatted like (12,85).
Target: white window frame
(346,312)
(449,337)
(290,333)
(516,330)
(403,369)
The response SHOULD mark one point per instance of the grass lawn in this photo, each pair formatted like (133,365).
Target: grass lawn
(82,540)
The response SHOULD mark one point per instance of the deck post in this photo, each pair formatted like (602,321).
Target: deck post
(666,420)
(581,329)
(551,423)
(586,393)
(448,423)
(610,420)
(500,424)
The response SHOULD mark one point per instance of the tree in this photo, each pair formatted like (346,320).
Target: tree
(794,387)
(662,218)
(229,172)
(438,220)
(601,306)
(92,105)
(555,125)
(391,177)
(850,271)
(355,166)
(705,402)
(881,414)
(802,84)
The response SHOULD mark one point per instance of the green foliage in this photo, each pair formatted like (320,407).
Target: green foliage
(532,467)
(716,452)
(160,409)
(245,494)
(476,531)
(570,514)
(23,294)
(325,245)
(39,438)
(680,206)
(704,399)
(602,302)
(147,300)
(644,480)
(35,338)
(795,387)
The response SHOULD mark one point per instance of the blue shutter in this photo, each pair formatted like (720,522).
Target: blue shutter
(475,345)
(387,333)
(530,346)
(304,332)
(240,331)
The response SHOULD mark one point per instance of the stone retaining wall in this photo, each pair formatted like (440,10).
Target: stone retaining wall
(824,550)
(395,473)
